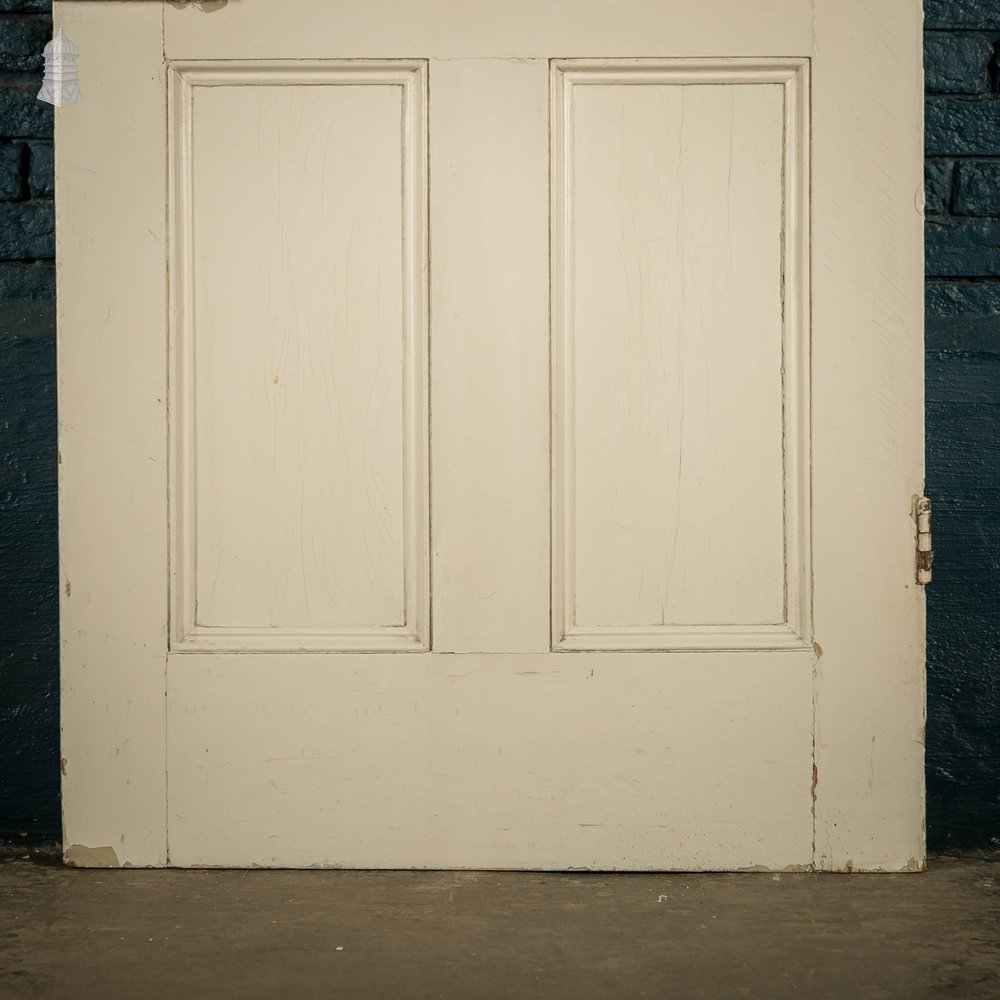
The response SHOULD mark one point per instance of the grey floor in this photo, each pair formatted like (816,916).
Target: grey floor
(149,934)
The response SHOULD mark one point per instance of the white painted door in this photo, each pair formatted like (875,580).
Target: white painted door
(489,434)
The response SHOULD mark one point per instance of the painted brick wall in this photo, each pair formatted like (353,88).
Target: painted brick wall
(963,427)
(961,47)
(29,648)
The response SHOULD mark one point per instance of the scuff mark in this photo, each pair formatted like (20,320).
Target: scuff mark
(817,649)
(69,588)
(80,856)
(815,765)
(812,793)
(776,872)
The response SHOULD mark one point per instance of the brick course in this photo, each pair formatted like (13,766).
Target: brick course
(957,63)
(977,189)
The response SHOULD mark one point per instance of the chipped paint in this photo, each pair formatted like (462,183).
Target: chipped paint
(80,856)
(786,869)
(205,6)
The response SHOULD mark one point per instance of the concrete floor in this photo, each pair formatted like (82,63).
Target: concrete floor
(397,935)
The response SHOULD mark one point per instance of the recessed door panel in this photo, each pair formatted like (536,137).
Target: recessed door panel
(299,344)
(680,348)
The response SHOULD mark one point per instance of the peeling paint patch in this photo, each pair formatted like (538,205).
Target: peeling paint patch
(205,6)
(912,864)
(79,856)
(62,766)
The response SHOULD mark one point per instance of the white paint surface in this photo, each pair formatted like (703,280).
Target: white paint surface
(464,567)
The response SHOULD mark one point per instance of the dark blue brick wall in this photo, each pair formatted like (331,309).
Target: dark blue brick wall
(962,41)
(29,636)
(963,428)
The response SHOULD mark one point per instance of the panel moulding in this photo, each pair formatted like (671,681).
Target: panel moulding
(186,634)
(795,630)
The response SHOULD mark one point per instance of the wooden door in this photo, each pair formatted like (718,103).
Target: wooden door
(489,434)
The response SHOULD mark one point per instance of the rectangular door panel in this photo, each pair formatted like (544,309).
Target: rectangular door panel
(504,761)
(680,355)
(299,340)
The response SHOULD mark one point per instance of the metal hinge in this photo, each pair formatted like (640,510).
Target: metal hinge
(925,550)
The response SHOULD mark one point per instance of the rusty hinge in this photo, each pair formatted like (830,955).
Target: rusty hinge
(925,550)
